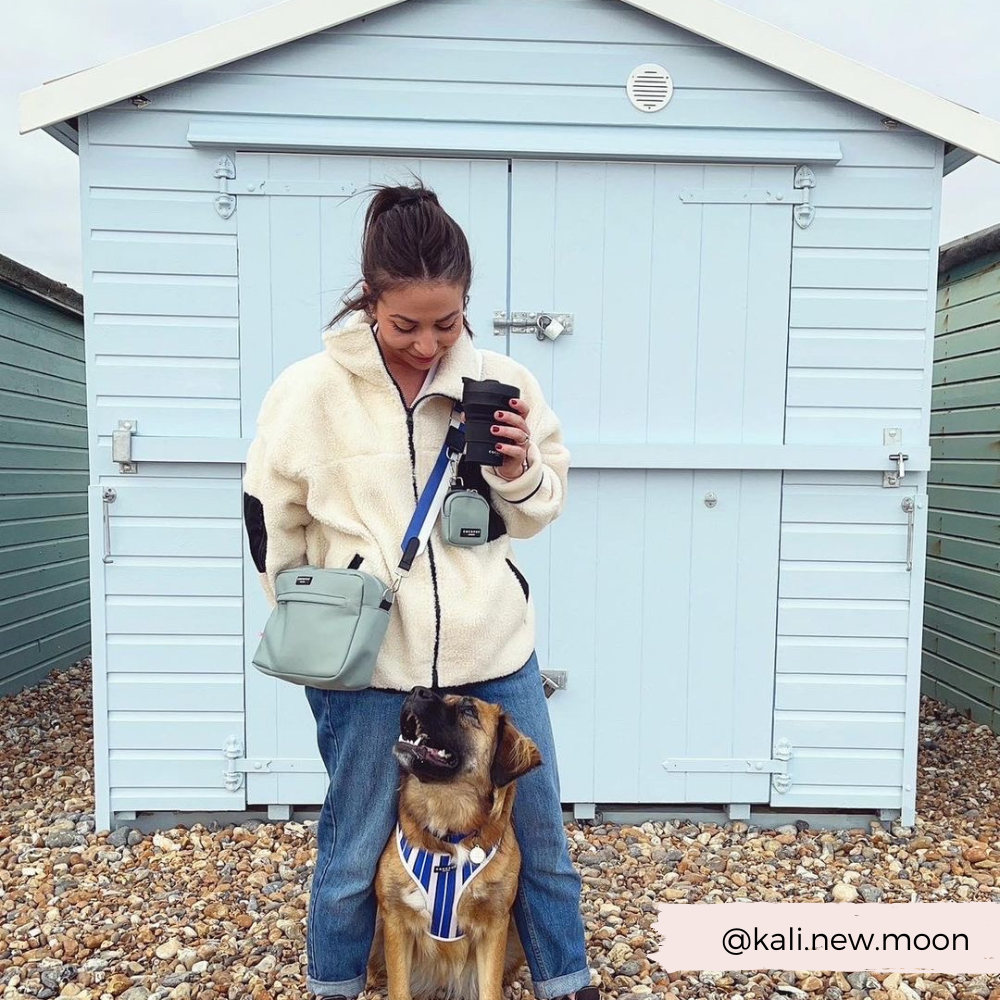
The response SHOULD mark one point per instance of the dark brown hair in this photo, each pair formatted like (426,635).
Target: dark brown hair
(408,237)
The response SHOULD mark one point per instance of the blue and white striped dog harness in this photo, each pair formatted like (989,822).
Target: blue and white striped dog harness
(441,881)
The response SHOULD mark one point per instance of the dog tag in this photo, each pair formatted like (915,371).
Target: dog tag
(477,855)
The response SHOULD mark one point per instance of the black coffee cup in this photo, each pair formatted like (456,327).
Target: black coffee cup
(480,401)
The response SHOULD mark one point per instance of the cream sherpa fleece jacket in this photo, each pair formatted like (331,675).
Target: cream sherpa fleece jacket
(336,465)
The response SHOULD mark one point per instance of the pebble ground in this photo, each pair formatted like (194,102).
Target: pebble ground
(219,912)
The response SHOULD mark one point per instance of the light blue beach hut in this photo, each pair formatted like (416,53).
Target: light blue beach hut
(739,231)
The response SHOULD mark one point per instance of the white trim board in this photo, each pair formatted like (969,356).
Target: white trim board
(64,99)
(593,455)
(621,142)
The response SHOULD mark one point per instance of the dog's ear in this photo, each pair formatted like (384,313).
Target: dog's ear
(515,754)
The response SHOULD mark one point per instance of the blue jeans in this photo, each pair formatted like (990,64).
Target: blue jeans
(356,731)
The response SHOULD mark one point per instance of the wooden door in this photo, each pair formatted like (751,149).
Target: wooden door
(657,588)
(299,245)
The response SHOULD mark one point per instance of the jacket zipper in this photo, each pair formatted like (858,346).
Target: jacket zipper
(409,411)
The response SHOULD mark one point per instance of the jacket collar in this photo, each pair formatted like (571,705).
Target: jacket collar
(354,346)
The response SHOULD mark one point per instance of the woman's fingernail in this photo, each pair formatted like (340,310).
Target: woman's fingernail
(513,402)
(495,429)
(499,414)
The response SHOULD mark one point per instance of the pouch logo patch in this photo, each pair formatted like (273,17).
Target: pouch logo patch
(303,581)
(470,532)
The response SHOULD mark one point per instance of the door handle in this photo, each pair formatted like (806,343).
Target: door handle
(108,497)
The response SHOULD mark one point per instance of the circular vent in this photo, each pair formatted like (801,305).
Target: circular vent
(649,87)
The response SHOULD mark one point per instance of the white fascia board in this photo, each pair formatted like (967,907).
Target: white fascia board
(285,22)
(832,72)
(185,57)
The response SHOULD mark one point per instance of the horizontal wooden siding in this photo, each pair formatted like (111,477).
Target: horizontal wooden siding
(44,582)
(961,659)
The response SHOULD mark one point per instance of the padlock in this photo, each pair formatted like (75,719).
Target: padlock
(549,328)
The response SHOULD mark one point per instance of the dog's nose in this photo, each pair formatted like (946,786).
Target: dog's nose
(422,694)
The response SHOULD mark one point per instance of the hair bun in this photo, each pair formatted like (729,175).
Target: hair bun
(411,196)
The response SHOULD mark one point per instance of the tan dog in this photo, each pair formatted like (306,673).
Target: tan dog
(447,879)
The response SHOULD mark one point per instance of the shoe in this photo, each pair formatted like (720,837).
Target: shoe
(587,993)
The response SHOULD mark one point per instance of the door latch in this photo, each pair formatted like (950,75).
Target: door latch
(552,681)
(893,478)
(121,447)
(545,326)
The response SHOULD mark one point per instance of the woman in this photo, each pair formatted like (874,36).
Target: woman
(345,440)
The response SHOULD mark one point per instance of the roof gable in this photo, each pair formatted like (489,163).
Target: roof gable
(64,99)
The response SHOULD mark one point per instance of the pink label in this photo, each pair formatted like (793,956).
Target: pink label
(945,937)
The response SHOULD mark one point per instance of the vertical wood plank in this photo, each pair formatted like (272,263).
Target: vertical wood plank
(574,613)
(99,658)
(619,554)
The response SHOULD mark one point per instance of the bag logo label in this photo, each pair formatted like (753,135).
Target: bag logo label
(303,581)
(470,532)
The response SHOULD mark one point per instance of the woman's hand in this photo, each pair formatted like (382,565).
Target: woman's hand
(512,430)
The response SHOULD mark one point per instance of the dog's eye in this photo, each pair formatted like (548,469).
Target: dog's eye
(469,710)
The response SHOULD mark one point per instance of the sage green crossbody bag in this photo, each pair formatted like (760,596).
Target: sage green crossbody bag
(327,626)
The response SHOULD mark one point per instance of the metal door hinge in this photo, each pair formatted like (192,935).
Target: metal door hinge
(531,322)
(232,777)
(225,171)
(554,680)
(805,181)
(121,447)
(781,780)
(741,196)
(286,765)
(237,765)
(777,766)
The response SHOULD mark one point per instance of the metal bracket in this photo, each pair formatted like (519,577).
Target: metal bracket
(225,171)
(554,680)
(121,447)
(530,322)
(805,181)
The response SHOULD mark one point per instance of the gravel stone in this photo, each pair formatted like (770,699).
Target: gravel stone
(218,912)
(119,837)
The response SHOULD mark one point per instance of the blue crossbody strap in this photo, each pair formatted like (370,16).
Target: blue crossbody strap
(432,497)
